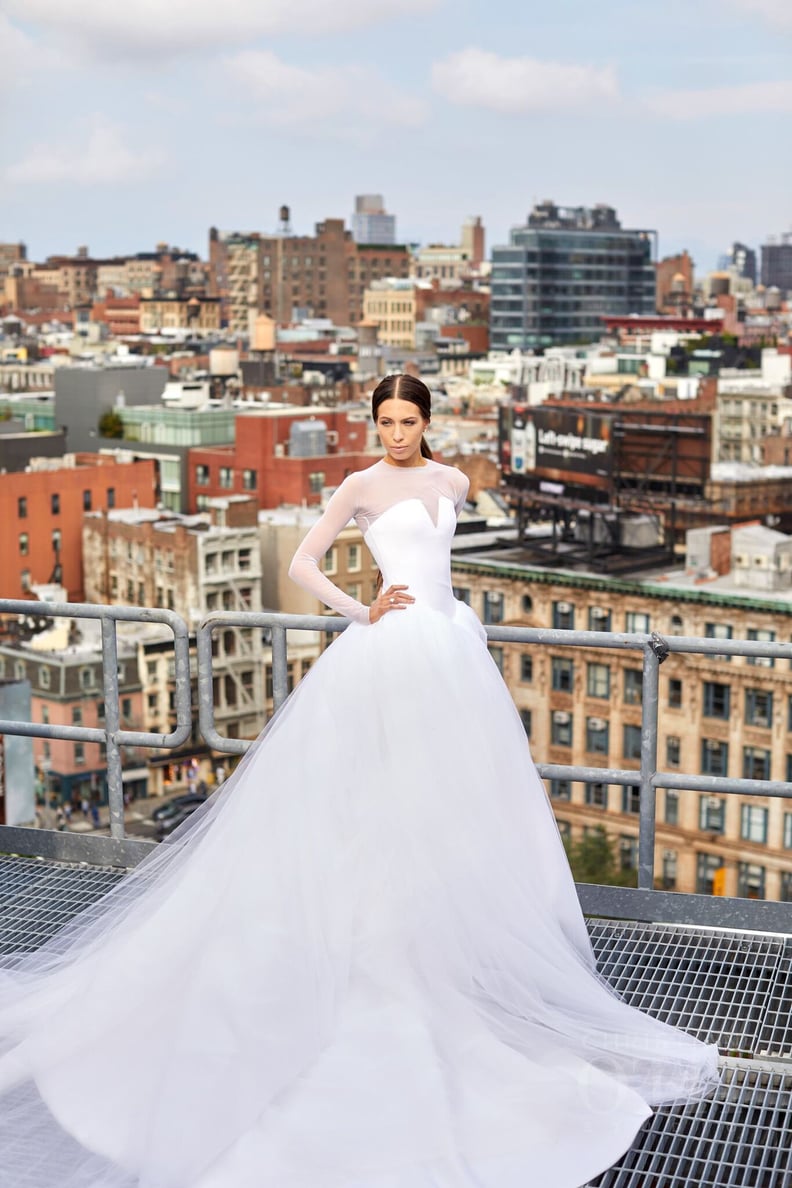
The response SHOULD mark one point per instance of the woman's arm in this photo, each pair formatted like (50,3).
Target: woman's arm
(304,568)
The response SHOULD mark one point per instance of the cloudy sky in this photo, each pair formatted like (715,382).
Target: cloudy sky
(126,122)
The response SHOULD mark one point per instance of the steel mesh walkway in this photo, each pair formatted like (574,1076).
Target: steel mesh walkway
(729,988)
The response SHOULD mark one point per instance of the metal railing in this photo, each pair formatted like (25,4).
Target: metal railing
(643,902)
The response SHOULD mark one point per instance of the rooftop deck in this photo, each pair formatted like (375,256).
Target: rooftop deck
(732,988)
(720,968)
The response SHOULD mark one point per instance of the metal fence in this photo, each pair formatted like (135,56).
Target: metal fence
(641,903)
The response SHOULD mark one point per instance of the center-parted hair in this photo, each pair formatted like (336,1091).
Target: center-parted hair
(404,387)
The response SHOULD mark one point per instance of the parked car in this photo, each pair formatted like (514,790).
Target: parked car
(176,803)
(166,825)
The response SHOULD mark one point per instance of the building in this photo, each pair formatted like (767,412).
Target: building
(751,409)
(188,315)
(743,260)
(406,310)
(371,223)
(776,267)
(325,274)
(452,263)
(192,565)
(16,754)
(282,455)
(563,271)
(64,672)
(40,540)
(718,715)
(675,285)
(84,394)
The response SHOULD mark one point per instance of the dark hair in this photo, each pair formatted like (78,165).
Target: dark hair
(404,387)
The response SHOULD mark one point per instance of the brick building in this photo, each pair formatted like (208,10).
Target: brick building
(326,273)
(282,456)
(717,716)
(40,537)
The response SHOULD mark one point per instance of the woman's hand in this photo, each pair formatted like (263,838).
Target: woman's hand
(394,598)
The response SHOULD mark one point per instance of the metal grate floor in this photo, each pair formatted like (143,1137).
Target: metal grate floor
(729,988)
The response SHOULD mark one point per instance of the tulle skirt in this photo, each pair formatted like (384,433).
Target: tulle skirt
(361,965)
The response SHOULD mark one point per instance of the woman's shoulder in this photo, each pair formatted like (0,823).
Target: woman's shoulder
(451,474)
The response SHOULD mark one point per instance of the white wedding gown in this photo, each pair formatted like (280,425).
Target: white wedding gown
(362,964)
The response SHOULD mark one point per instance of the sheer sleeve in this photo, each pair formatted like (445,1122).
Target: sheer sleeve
(304,568)
(461,485)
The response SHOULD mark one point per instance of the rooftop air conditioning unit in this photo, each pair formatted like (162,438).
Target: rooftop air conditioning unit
(597,723)
(561,717)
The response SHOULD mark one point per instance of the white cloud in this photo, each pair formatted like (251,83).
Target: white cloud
(777,13)
(743,99)
(104,160)
(348,97)
(478,78)
(131,28)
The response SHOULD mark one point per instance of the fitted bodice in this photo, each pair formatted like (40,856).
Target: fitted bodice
(412,549)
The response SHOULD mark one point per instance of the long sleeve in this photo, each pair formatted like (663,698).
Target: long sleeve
(304,568)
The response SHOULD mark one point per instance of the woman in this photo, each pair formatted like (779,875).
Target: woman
(363,963)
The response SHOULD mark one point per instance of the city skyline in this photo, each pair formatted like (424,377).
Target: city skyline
(201,116)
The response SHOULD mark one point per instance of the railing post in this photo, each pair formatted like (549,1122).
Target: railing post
(280,666)
(646,820)
(115,779)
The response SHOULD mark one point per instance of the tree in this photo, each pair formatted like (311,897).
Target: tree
(111,424)
(594,859)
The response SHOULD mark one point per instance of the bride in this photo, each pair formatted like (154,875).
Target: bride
(362,964)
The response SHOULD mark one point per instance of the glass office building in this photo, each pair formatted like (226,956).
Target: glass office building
(565,270)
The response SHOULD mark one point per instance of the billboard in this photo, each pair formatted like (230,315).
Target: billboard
(566,444)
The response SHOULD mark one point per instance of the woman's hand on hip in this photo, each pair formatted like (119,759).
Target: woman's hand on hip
(394,598)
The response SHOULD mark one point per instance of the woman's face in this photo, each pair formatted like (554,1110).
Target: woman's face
(400,427)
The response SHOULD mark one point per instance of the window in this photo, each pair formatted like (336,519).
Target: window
(525,718)
(596,795)
(45,714)
(787,832)
(55,503)
(706,866)
(330,561)
(598,680)
(249,480)
(563,616)
(44,676)
(353,558)
(750,880)
(497,655)
(669,870)
(718,631)
(202,475)
(756,763)
(111,497)
(77,715)
(597,736)
(493,606)
(758,707)
(126,708)
(673,748)
(714,757)
(561,789)
(712,813)
(717,700)
(79,752)
(637,621)
(671,806)
(561,729)
(563,673)
(676,626)
(631,798)
(24,579)
(753,823)
(226,477)
(462,594)
(599,619)
(527,604)
(24,544)
(632,742)
(674,693)
(56,539)
(87,678)
(86,500)
(786,886)
(526,667)
(628,852)
(633,686)
(316,481)
(22,507)
(761,636)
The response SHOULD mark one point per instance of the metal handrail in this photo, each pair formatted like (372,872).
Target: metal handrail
(653,648)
